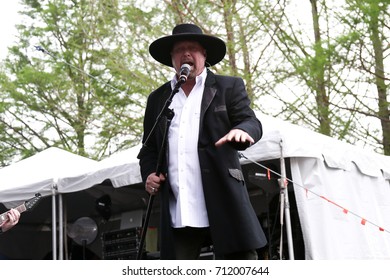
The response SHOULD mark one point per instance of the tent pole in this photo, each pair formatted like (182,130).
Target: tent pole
(54,222)
(285,204)
(60,228)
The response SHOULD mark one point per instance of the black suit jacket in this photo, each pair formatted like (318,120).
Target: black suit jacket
(225,105)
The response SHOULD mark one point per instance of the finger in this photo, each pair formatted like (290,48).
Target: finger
(162,178)
(11,216)
(244,138)
(250,139)
(220,141)
(153,190)
(152,187)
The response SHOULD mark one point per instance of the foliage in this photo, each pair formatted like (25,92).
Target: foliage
(85,87)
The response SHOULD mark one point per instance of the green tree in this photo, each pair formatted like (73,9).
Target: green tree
(74,79)
(321,80)
(87,89)
(366,38)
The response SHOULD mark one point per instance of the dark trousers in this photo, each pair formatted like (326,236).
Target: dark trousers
(189,242)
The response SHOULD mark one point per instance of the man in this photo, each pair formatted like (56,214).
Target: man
(203,193)
(12,218)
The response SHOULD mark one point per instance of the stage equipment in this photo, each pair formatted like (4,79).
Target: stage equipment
(103,206)
(83,231)
(121,244)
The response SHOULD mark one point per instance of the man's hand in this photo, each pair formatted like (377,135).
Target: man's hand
(235,135)
(153,183)
(13,219)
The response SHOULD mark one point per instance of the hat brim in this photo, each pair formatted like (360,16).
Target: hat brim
(161,49)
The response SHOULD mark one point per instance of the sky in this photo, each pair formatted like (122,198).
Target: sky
(8,18)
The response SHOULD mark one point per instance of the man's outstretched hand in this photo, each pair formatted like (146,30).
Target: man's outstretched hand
(236,136)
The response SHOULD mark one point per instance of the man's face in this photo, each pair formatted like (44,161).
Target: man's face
(189,52)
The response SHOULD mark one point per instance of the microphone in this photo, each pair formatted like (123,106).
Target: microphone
(184,72)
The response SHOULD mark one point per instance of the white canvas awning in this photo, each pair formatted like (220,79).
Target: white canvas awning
(40,173)
(342,191)
(122,169)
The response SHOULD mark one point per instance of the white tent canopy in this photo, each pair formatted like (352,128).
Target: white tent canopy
(301,142)
(122,169)
(40,174)
(342,192)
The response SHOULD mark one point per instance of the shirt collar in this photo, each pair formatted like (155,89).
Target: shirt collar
(199,79)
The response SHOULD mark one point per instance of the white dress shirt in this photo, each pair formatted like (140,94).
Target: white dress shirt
(187,204)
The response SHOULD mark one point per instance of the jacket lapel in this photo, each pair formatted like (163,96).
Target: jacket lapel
(208,96)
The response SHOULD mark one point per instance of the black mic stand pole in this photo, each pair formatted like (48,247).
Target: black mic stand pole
(169,114)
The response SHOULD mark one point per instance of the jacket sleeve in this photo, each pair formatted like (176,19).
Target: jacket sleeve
(241,114)
(152,140)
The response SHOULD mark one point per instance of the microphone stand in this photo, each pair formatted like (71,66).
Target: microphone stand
(169,114)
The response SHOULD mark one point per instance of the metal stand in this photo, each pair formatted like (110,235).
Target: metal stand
(169,116)
(284,207)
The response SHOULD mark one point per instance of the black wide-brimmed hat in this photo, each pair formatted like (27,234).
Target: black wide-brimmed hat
(161,49)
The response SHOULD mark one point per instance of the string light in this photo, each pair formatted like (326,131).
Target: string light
(363,221)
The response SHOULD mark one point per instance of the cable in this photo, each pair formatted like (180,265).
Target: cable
(363,220)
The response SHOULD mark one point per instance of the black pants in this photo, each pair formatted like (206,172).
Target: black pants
(189,242)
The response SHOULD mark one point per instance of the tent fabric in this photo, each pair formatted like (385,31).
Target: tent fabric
(344,214)
(122,169)
(40,174)
(338,188)
(301,142)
